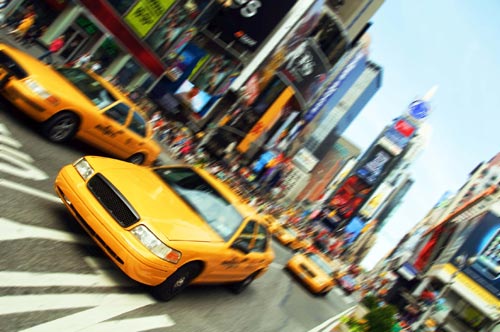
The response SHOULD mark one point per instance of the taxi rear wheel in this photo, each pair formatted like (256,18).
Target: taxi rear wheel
(62,127)
(174,284)
(239,287)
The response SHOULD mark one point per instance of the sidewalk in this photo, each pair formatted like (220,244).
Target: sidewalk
(35,49)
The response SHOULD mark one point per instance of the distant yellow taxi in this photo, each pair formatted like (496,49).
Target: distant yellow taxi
(314,269)
(71,102)
(273,224)
(291,237)
(166,226)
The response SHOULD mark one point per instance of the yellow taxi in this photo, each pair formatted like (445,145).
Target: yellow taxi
(273,224)
(166,226)
(313,269)
(71,102)
(291,237)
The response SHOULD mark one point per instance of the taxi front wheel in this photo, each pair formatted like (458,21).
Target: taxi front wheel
(174,284)
(239,287)
(61,127)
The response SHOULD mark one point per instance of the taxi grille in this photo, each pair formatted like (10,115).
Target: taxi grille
(112,200)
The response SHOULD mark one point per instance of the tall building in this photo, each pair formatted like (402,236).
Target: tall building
(339,104)
(276,93)
(325,171)
(378,172)
(454,252)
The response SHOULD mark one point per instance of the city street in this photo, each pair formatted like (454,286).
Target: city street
(54,278)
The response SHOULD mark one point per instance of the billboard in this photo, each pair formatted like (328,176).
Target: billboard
(304,69)
(348,198)
(376,200)
(145,14)
(337,88)
(397,136)
(375,165)
(174,29)
(249,23)
(480,244)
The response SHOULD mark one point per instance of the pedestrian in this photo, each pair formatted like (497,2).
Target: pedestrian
(96,67)
(54,47)
(26,23)
(83,61)
(33,34)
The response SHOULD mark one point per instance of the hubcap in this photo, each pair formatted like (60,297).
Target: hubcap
(180,282)
(63,128)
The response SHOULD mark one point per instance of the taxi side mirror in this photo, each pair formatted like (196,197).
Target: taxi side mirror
(240,246)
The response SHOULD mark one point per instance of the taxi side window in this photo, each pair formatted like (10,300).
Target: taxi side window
(119,113)
(246,235)
(261,240)
(138,125)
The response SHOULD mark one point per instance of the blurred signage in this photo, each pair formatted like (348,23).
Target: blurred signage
(375,165)
(145,14)
(350,73)
(404,128)
(305,160)
(419,109)
(378,198)
(348,198)
(398,135)
(407,271)
(305,69)
(250,22)
(481,246)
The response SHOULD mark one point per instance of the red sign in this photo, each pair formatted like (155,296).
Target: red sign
(405,128)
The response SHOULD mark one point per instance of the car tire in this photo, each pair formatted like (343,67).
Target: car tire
(240,286)
(61,127)
(178,281)
(137,159)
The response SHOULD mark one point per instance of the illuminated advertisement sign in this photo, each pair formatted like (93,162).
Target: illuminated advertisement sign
(337,88)
(250,22)
(145,14)
(304,69)
(419,109)
(481,247)
(376,165)
(378,198)
(348,198)
(399,135)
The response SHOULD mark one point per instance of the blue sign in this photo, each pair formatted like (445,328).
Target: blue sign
(338,86)
(419,109)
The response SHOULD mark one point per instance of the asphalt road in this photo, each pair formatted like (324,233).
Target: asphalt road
(52,277)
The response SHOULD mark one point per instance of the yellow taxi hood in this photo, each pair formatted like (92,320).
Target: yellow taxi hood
(158,207)
(302,259)
(45,75)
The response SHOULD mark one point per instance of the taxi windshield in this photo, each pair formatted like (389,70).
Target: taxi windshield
(217,212)
(88,86)
(324,265)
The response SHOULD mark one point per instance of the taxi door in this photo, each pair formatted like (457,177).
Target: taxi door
(255,240)
(234,263)
(109,131)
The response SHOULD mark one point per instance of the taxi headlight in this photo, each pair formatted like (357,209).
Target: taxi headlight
(150,241)
(83,168)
